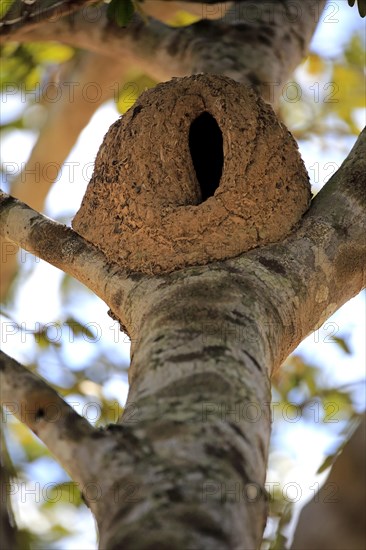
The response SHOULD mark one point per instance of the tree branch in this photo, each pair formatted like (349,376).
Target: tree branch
(29,14)
(62,247)
(305,278)
(322,264)
(38,406)
(240,45)
(65,120)
(198,366)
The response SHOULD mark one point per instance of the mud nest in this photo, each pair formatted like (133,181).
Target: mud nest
(199,169)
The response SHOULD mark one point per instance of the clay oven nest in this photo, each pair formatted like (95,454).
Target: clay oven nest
(199,169)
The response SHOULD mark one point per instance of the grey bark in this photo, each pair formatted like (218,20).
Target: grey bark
(245,46)
(198,413)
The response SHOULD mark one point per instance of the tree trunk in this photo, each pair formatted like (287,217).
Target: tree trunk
(196,420)
(185,466)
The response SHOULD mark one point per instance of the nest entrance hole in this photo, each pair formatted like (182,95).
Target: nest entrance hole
(205,145)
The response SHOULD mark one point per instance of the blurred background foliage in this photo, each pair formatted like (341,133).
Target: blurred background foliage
(327,93)
(326,96)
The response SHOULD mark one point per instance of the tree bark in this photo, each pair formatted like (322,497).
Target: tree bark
(185,467)
(244,46)
(197,420)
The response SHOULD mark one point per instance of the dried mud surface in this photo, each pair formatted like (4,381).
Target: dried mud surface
(143,205)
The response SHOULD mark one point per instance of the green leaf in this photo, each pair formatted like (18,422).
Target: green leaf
(4,7)
(328,462)
(120,11)
(31,446)
(280,540)
(41,339)
(132,89)
(50,52)
(341,342)
(33,78)
(67,492)
(27,63)
(355,52)
(279,543)
(347,433)
(59,532)
(77,328)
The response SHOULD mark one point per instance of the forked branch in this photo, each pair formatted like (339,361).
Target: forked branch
(37,405)
(62,247)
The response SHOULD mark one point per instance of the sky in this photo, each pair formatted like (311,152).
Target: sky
(38,301)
